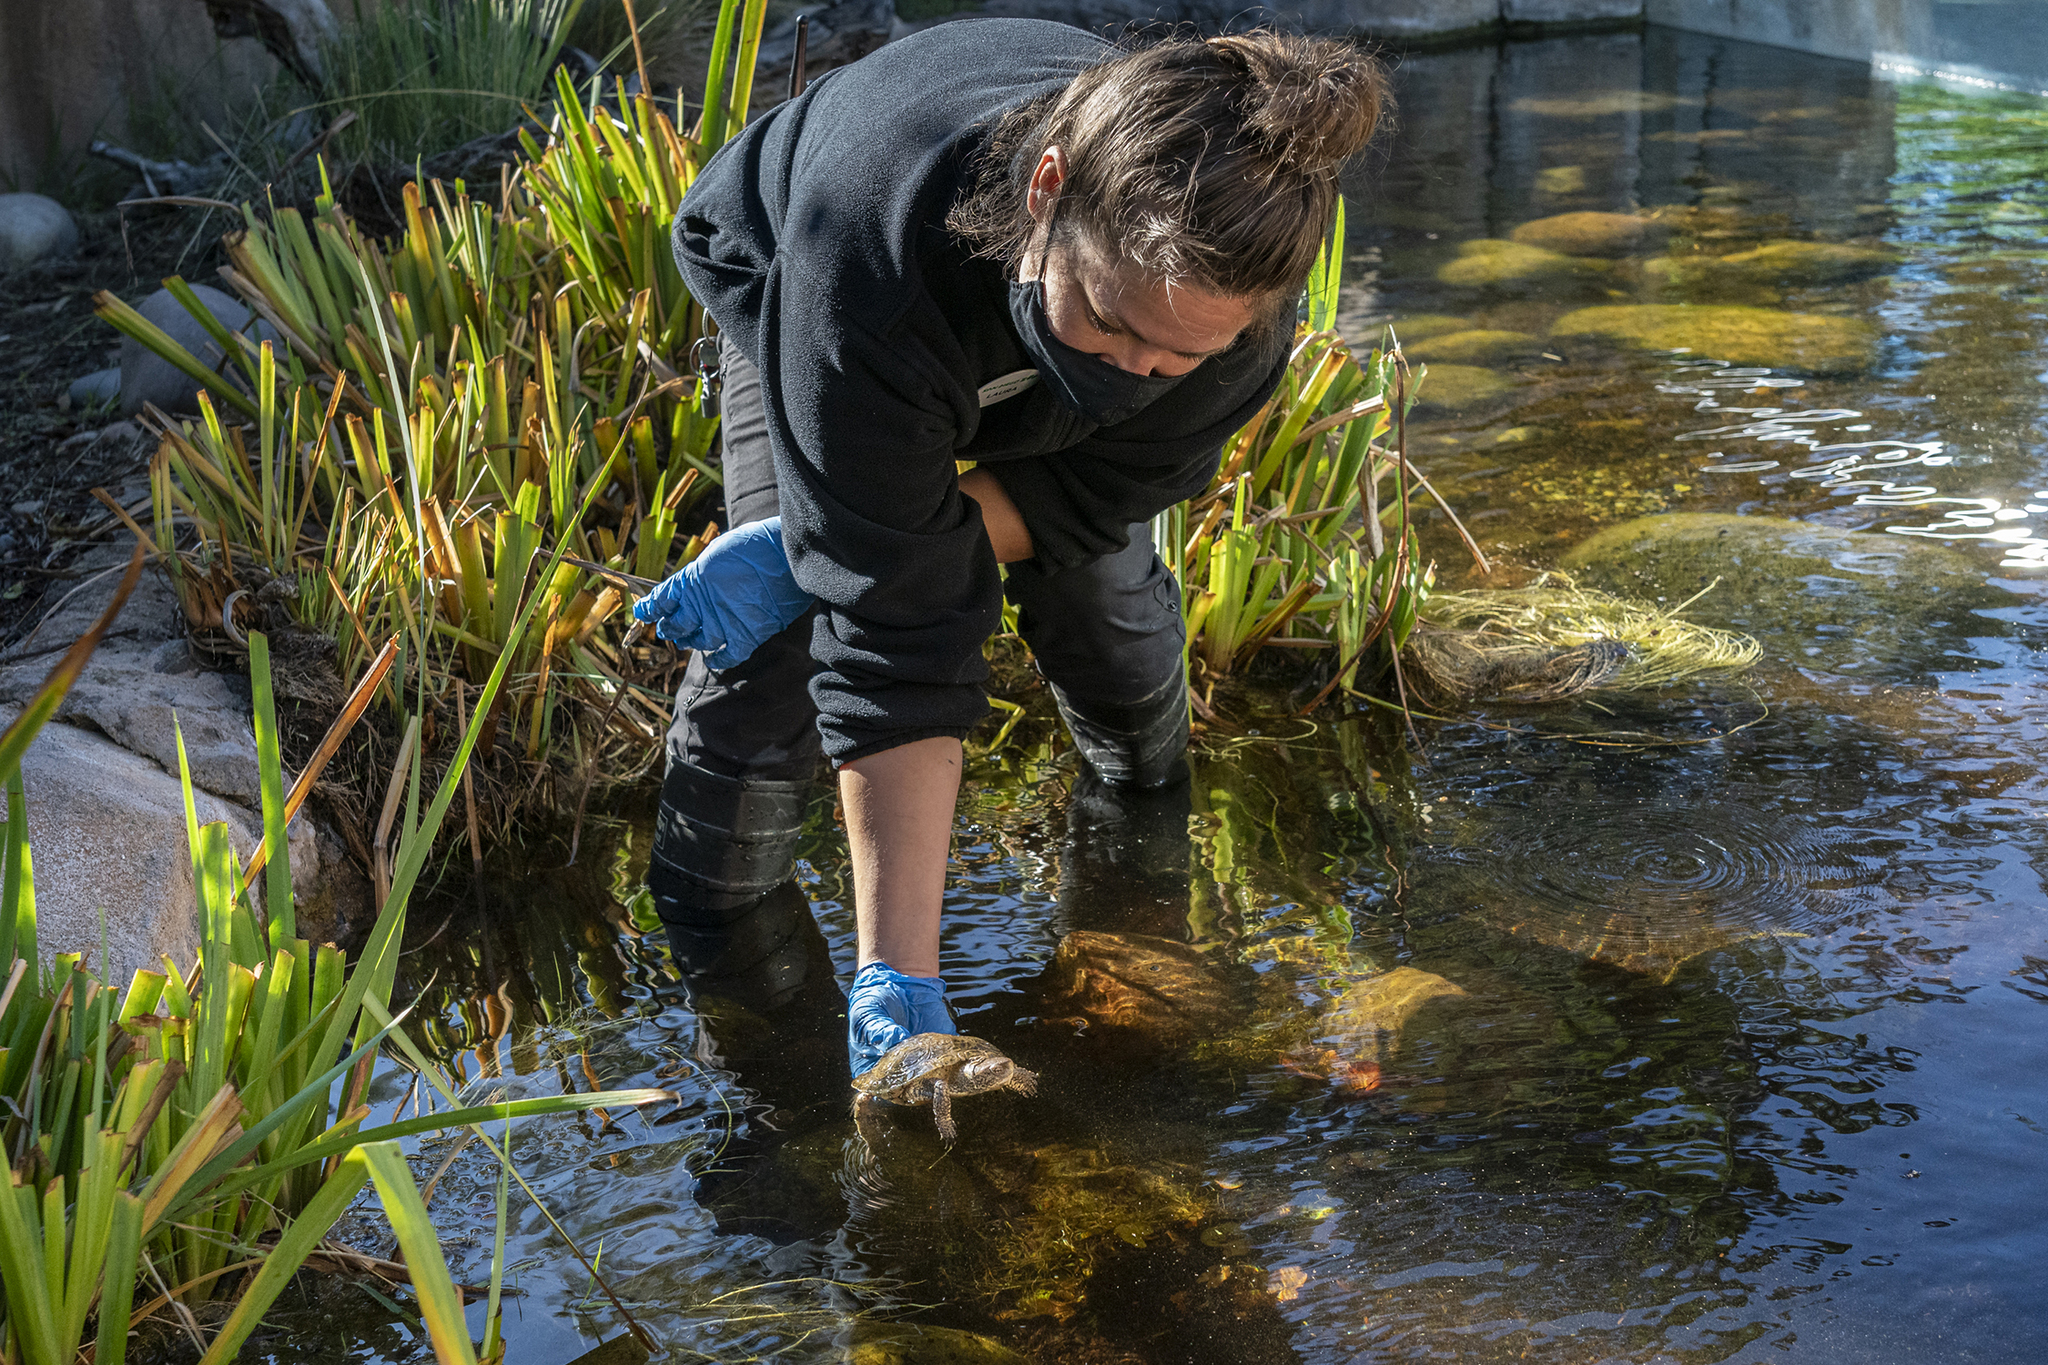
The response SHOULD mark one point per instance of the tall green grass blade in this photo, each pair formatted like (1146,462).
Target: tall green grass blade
(18,883)
(440,1305)
(1327,276)
(464,1117)
(277,874)
(30,1314)
(712,129)
(494,1339)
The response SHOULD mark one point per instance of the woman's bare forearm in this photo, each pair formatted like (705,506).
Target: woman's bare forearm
(1007,534)
(899,821)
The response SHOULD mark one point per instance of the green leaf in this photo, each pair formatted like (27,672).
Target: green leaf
(277,866)
(1328,274)
(440,1305)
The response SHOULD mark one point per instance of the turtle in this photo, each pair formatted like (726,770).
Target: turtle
(932,1068)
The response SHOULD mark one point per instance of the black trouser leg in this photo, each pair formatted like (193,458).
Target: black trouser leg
(743,752)
(1109,638)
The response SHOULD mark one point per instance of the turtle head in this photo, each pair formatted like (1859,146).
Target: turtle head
(987,1073)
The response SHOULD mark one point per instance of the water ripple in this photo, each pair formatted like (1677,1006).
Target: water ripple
(1647,885)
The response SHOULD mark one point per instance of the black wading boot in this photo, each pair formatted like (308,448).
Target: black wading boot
(1137,745)
(760,980)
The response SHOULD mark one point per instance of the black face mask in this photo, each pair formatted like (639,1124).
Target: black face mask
(1092,387)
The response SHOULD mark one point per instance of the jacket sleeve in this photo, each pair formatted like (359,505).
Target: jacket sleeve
(1079,503)
(873,519)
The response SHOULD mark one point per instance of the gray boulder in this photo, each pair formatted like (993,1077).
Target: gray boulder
(107,831)
(142,684)
(32,227)
(106,812)
(148,378)
(101,386)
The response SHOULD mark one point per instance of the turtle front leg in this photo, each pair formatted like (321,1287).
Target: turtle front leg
(942,1112)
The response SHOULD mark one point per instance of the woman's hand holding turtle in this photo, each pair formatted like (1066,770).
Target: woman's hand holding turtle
(885,1008)
(730,599)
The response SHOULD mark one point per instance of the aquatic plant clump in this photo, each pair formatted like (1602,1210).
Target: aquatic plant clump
(1554,639)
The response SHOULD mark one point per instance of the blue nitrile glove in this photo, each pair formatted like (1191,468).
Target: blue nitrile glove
(729,600)
(885,1007)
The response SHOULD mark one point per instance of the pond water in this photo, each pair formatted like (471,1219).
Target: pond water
(1730,1046)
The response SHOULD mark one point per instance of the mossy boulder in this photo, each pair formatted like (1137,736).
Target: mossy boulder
(1514,268)
(1812,342)
(1461,388)
(1815,596)
(1795,265)
(1479,346)
(1590,234)
(909,1343)
(1423,326)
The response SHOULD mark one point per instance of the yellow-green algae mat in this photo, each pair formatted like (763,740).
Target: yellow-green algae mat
(1813,342)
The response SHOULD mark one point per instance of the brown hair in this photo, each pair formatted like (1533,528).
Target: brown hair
(1205,161)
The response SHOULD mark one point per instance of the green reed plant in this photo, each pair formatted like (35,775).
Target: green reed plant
(207,1122)
(1293,542)
(435,406)
(427,75)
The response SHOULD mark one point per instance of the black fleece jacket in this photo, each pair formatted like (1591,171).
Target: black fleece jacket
(817,240)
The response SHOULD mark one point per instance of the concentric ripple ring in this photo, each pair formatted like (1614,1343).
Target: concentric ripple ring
(1646,884)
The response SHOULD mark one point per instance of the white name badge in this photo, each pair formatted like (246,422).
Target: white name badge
(1009,386)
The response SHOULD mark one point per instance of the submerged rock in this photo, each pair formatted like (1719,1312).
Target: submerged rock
(910,1343)
(1423,326)
(1774,264)
(1382,1005)
(1073,1206)
(1479,346)
(1742,336)
(1590,234)
(1461,388)
(1512,267)
(1361,1028)
(1758,275)
(1137,987)
(1843,601)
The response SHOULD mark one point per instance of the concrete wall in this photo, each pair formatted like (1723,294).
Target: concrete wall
(2003,41)
(73,70)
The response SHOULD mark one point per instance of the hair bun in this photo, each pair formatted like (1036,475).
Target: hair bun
(1314,102)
